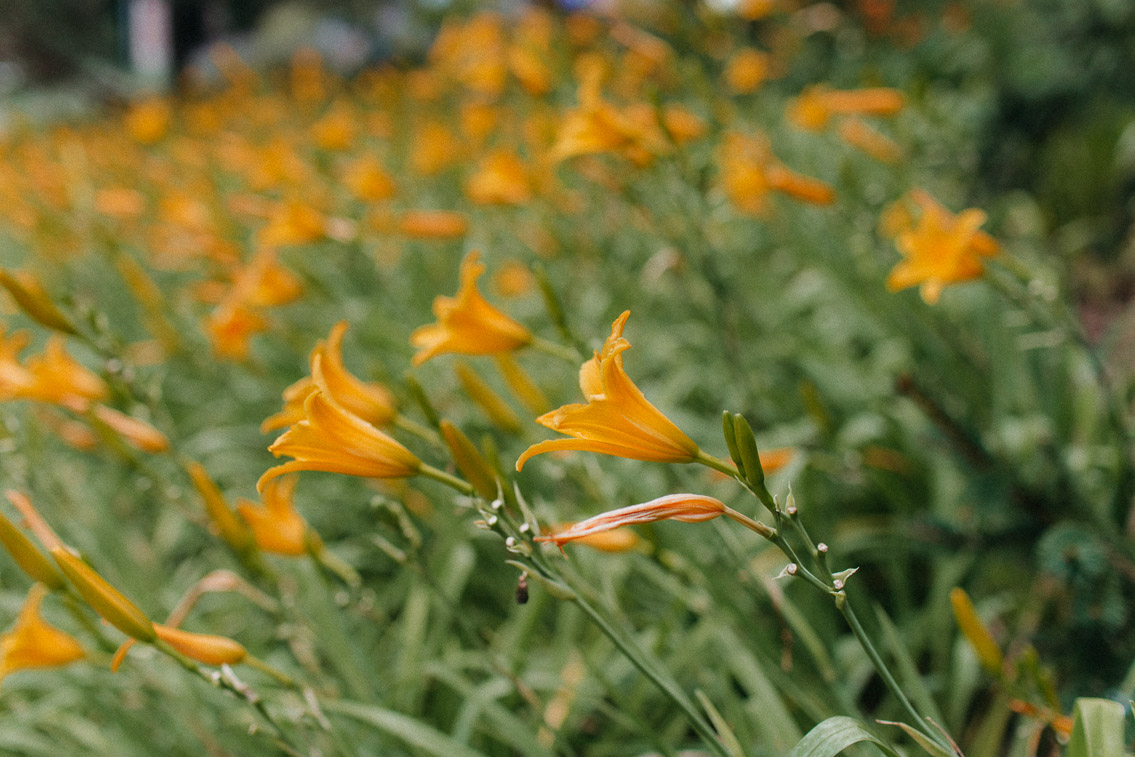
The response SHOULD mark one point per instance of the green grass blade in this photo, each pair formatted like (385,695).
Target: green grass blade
(833,735)
(1097,730)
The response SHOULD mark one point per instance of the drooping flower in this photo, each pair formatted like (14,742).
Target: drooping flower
(688,508)
(332,438)
(468,324)
(276,525)
(58,378)
(372,402)
(617,419)
(33,643)
(938,248)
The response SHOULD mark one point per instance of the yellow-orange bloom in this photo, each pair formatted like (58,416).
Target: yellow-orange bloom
(230,328)
(372,402)
(747,70)
(468,324)
(597,126)
(33,643)
(617,419)
(331,438)
(368,180)
(750,171)
(500,179)
(814,107)
(276,525)
(688,508)
(939,248)
(149,120)
(58,378)
(433,224)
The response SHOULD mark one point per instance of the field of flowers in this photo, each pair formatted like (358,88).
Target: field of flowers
(701,383)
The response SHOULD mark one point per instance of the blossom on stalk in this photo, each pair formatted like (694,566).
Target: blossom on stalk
(617,419)
(206,648)
(333,439)
(276,525)
(33,643)
(57,378)
(938,248)
(688,508)
(750,172)
(813,108)
(433,224)
(372,402)
(468,324)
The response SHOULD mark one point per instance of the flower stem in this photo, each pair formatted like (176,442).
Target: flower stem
(441,476)
(864,640)
(556,350)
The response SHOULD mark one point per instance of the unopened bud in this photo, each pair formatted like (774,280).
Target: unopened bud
(103,598)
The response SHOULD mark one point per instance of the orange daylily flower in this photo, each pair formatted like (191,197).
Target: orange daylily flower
(688,508)
(332,438)
(597,126)
(682,125)
(617,419)
(939,248)
(500,179)
(372,402)
(33,643)
(368,180)
(747,70)
(816,105)
(149,120)
(231,326)
(750,171)
(276,525)
(433,224)
(59,379)
(859,135)
(468,324)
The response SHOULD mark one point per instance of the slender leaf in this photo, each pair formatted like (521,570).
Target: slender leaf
(832,736)
(404,728)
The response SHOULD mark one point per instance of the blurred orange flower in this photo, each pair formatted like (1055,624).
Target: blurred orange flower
(939,248)
(32,643)
(276,525)
(468,324)
(617,419)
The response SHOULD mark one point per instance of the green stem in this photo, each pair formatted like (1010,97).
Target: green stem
(442,477)
(864,640)
(283,678)
(556,350)
(669,688)
(419,430)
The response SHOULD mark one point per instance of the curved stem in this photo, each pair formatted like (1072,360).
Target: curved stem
(884,672)
(441,476)
(556,350)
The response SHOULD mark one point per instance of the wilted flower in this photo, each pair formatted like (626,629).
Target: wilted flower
(468,324)
(617,419)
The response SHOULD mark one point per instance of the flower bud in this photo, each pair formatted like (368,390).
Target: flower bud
(103,598)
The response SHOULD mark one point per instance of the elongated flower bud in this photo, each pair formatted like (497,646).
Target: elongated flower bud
(103,598)
(469,461)
(30,559)
(988,653)
(31,298)
(689,508)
